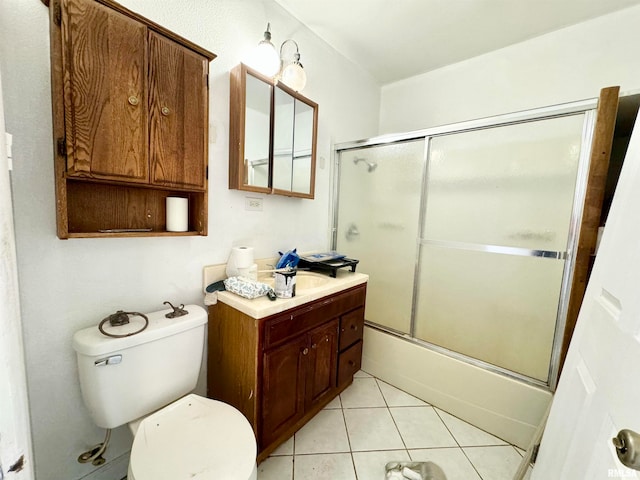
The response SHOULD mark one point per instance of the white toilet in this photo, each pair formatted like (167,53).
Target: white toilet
(142,380)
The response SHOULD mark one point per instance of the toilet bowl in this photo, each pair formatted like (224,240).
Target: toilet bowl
(194,438)
(141,374)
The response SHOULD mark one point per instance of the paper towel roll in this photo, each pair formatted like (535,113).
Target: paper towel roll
(177,214)
(240,258)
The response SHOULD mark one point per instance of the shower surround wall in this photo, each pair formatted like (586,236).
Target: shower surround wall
(467,249)
(72,284)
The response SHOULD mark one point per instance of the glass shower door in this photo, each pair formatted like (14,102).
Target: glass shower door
(378,217)
(496,227)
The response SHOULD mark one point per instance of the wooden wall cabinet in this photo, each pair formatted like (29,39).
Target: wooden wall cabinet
(281,370)
(130,116)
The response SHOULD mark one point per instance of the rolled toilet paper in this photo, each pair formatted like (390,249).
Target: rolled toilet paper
(240,259)
(177,214)
(242,256)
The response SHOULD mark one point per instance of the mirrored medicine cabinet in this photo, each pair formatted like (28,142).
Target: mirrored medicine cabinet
(272,136)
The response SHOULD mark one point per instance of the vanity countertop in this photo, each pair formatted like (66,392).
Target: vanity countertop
(262,307)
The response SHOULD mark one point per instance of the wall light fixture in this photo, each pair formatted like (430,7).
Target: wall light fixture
(264,58)
(291,72)
(285,68)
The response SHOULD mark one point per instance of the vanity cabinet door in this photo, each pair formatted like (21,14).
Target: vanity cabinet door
(178,114)
(322,368)
(283,387)
(104,57)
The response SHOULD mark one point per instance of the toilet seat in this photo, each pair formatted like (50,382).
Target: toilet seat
(194,438)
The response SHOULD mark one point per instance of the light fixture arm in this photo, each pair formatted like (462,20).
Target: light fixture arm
(296,55)
(267,33)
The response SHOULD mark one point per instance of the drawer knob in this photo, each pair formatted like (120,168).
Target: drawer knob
(165,111)
(314,346)
(305,351)
(133,100)
(352,363)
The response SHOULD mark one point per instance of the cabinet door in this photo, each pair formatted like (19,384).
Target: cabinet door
(322,366)
(283,387)
(105,102)
(178,114)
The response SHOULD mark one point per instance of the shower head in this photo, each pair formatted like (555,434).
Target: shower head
(371,166)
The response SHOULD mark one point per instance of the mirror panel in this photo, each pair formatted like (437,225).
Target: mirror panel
(272,136)
(257,130)
(303,141)
(283,139)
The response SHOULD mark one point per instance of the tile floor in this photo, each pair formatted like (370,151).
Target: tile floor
(372,423)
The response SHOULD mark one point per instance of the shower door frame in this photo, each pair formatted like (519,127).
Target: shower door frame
(585,107)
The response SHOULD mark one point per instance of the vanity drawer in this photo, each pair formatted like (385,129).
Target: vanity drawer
(295,322)
(298,320)
(349,363)
(351,326)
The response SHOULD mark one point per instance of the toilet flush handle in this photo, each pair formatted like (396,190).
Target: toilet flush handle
(177,311)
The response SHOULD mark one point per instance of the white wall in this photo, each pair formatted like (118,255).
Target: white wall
(72,284)
(563,66)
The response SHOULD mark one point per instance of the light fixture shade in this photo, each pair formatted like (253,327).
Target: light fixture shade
(294,76)
(265,58)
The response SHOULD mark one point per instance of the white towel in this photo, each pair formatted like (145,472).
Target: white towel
(211,298)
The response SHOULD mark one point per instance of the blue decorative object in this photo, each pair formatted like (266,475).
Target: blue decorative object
(288,260)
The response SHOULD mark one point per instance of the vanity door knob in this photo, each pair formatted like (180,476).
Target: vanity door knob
(305,351)
(133,100)
(165,111)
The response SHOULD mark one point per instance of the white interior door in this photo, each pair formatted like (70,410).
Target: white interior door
(599,390)
(15,436)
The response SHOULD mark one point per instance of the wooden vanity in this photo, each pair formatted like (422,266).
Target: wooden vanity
(282,368)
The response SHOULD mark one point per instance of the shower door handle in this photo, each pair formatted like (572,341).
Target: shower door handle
(627,444)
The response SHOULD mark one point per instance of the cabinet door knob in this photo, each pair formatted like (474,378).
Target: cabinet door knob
(133,100)
(314,346)
(305,351)
(165,111)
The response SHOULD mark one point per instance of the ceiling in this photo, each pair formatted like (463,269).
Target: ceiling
(397,39)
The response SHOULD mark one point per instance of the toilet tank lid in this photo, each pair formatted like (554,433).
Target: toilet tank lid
(90,341)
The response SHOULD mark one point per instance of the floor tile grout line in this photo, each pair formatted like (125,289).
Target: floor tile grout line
(447,427)
(456,440)
(346,429)
(477,428)
(406,449)
(381,392)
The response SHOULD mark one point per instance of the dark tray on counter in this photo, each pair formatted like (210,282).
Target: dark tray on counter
(329,265)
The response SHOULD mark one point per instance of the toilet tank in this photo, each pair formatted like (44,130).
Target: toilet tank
(126,378)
